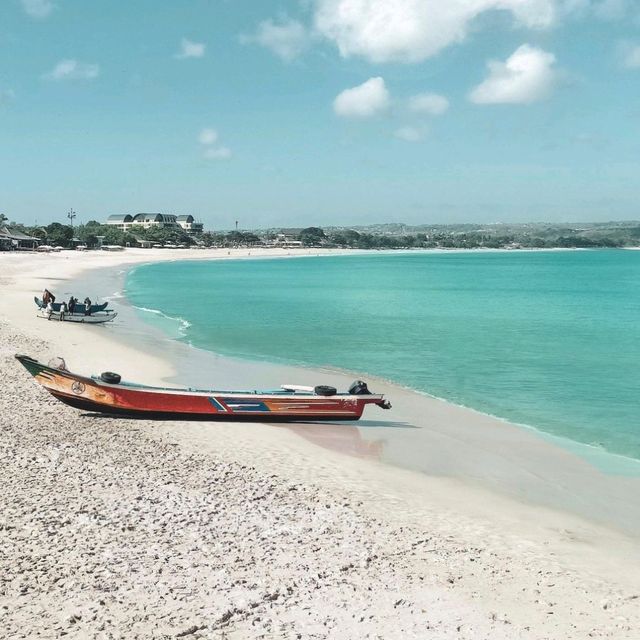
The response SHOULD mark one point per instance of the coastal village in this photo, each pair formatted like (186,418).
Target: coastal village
(180,231)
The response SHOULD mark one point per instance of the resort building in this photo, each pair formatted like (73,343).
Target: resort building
(121,220)
(189,224)
(148,220)
(124,221)
(284,240)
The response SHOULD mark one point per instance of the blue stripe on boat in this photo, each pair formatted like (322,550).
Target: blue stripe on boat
(218,405)
(236,405)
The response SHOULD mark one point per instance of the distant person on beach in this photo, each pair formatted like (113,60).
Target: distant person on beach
(87,306)
(72,305)
(63,310)
(49,309)
(47,297)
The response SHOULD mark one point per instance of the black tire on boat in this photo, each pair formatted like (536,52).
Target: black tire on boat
(324,390)
(110,377)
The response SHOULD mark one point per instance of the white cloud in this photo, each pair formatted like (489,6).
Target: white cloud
(630,53)
(428,103)
(413,30)
(189,49)
(528,75)
(38,8)
(411,134)
(208,136)
(287,39)
(6,96)
(217,153)
(73,70)
(364,101)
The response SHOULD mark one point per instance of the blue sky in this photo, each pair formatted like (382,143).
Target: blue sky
(306,112)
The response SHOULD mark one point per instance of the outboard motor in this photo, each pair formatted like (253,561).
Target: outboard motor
(359,388)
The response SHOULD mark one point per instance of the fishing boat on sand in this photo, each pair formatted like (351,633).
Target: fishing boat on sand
(79,308)
(96,318)
(108,394)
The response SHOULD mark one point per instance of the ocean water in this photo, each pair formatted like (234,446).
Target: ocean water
(546,339)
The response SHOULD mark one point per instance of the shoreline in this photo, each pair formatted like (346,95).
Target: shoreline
(596,449)
(531,445)
(608,461)
(340,459)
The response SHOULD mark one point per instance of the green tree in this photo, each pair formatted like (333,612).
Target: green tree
(90,240)
(366,241)
(163,235)
(111,235)
(87,233)
(212,239)
(59,234)
(346,238)
(241,237)
(312,236)
(36,232)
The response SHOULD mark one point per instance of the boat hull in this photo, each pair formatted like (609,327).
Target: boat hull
(93,407)
(137,401)
(99,318)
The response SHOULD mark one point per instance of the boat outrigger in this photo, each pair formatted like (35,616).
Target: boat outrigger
(108,394)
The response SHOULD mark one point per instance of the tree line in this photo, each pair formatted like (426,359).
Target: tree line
(63,235)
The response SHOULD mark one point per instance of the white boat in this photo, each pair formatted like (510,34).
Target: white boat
(95,318)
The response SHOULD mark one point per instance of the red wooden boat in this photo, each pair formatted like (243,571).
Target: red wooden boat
(108,394)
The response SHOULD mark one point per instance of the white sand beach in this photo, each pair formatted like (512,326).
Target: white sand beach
(121,528)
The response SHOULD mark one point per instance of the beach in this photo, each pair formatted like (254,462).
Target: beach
(122,528)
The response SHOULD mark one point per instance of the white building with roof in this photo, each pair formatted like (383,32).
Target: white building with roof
(284,240)
(120,220)
(14,239)
(189,224)
(124,221)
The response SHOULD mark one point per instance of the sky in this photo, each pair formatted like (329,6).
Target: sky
(320,112)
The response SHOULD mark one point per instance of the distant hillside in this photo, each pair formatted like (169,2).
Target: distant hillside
(497,235)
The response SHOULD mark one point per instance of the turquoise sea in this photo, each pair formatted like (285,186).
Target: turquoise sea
(546,339)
